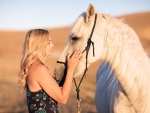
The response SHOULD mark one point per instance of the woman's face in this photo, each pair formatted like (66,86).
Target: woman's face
(49,49)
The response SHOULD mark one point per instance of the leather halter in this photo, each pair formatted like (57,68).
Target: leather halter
(87,48)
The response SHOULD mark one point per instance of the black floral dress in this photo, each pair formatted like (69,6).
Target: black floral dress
(40,102)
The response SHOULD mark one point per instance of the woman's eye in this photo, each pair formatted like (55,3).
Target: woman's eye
(74,38)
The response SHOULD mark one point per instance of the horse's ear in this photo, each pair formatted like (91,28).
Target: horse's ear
(90,12)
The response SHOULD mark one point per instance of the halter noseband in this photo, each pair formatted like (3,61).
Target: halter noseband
(87,48)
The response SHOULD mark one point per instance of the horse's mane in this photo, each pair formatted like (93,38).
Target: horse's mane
(124,52)
(122,43)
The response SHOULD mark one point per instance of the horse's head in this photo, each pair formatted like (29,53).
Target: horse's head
(78,38)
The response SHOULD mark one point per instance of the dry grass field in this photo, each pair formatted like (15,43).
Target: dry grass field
(13,101)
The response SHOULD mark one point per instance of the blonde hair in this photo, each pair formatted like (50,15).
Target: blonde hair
(34,49)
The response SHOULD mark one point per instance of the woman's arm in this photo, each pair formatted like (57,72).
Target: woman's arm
(47,82)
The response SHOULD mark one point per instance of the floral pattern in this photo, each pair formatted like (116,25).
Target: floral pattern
(40,102)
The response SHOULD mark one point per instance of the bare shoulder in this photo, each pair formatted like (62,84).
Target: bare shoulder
(36,74)
(38,69)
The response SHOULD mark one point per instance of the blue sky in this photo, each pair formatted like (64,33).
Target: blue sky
(28,14)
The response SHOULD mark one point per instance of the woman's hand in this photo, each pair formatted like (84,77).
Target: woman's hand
(74,60)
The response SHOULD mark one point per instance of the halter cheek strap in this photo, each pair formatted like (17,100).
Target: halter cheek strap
(87,48)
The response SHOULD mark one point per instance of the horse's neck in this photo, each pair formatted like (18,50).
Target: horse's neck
(131,66)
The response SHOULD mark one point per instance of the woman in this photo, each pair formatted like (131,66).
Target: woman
(43,92)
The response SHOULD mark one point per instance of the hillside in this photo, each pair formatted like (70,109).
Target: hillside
(10,54)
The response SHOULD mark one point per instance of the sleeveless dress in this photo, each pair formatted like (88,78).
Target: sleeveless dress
(40,102)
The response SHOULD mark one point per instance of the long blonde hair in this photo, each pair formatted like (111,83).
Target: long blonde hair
(34,49)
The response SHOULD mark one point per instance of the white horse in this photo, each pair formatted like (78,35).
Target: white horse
(124,75)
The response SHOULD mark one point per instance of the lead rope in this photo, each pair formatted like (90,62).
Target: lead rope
(78,87)
(87,51)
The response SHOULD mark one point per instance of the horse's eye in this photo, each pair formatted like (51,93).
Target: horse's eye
(74,38)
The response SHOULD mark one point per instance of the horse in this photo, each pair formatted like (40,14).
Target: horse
(123,76)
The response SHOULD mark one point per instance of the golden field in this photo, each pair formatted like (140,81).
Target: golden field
(11,42)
